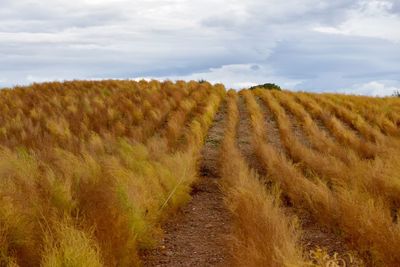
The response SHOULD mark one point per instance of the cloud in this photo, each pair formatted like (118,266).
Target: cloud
(375,88)
(374,18)
(302,44)
(238,76)
(330,63)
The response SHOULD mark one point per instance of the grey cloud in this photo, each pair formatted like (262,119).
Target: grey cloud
(249,41)
(395,7)
(341,59)
(390,75)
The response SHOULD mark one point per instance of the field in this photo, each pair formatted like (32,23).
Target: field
(126,173)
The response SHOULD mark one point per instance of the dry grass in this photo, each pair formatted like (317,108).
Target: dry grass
(355,120)
(256,211)
(349,209)
(89,171)
(79,189)
(344,135)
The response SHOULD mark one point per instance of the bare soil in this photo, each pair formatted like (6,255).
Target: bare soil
(197,235)
(244,140)
(271,126)
(297,129)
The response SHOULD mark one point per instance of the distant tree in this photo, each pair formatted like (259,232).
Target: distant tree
(267,86)
(396,93)
(201,81)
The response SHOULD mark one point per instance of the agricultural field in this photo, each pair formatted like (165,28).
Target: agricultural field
(148,173)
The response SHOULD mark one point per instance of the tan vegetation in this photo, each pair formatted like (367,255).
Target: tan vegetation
(78,186)
(364,219)
(89,171)
(263,235)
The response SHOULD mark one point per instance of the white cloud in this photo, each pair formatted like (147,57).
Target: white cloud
(375,88)
(32,78)
(369,19)
(238,76)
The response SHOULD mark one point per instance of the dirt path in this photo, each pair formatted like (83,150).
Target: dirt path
(271,126)
(297,128)
(244,139)
(197,235)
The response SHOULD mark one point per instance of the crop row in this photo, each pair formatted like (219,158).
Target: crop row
(91,179)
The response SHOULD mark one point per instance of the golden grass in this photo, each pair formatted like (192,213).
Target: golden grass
(375,111)
(78,188)
(89,171)
(344,135)
(355,120)
(364,220)
(262,234)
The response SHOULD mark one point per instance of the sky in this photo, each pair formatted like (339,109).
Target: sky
(312,45)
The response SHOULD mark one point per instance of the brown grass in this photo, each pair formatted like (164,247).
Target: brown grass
(89,171)
(256,211)
(349,210)
(79,189)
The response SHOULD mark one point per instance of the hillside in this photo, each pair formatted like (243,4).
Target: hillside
(125,173)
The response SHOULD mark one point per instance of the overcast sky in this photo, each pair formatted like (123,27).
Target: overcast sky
(314,45)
